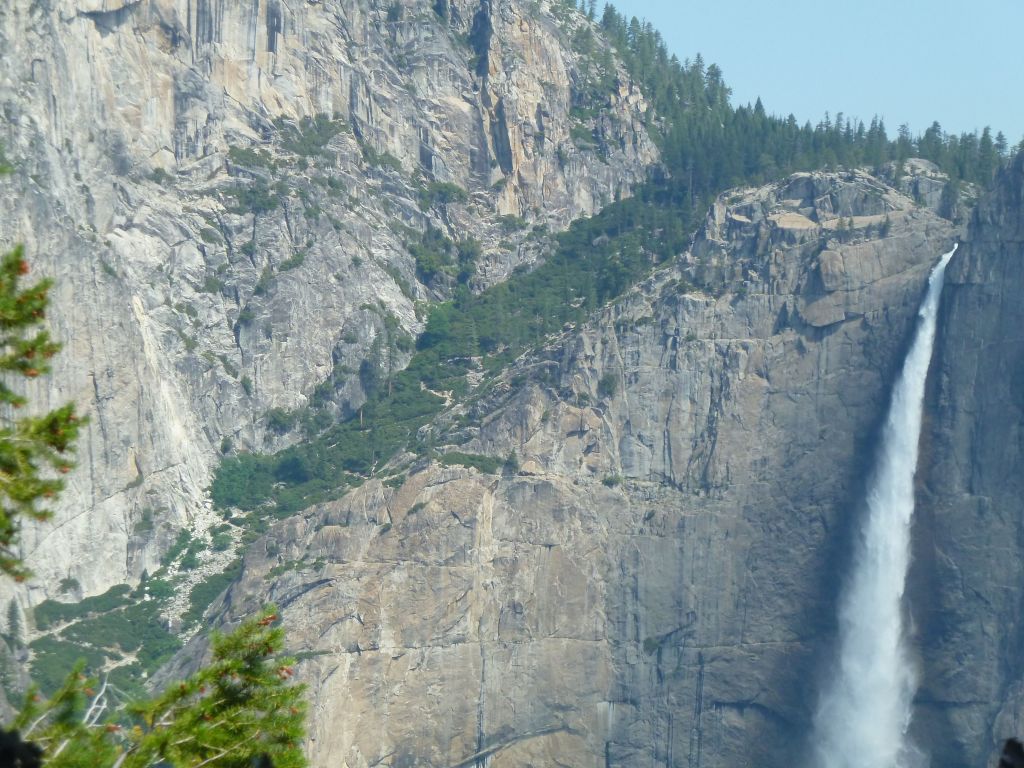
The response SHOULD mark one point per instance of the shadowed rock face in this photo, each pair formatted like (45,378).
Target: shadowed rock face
(654,584)
(185,316)
(968,573)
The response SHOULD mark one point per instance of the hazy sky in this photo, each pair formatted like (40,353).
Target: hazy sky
(908,61)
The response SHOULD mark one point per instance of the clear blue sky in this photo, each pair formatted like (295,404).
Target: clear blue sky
(908,61)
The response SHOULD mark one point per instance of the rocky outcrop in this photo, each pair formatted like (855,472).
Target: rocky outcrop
(923,181)
(227,194)
(650,578)
(966,596)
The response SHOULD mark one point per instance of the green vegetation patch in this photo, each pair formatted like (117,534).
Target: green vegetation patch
(293,262)
(248,157)
(106,631)
(50,612)
(333,461)
(256,197)
(205,592)
(441,193)
(181,543)
(310,136)
(52,658)
(435,253)
(595,261)
(380,159)
(486,464)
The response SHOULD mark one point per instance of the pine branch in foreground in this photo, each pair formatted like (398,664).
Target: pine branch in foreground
(239,711)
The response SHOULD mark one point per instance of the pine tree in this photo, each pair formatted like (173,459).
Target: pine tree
(14,623)
(949,199)
(34,450)
(239,711)
(1002,146)
(988,156)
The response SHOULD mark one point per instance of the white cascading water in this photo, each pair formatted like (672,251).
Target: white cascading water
(863,717)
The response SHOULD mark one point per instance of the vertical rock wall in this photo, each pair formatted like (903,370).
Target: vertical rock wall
(197,288)
(649,581)
(966,597)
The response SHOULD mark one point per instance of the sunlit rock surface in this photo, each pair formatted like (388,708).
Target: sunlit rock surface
(185,316)
(650,579)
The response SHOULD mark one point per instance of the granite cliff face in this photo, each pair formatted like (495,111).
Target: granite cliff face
(228,194)
(644,583)
(232,198)
(966,594)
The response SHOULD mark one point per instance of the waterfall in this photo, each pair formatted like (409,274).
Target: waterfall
(864,714)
